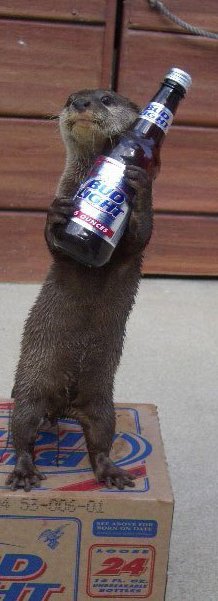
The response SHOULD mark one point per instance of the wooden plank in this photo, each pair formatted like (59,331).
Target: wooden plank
(41,64)
(32,159)
(23,256)
(108,47)
(140,15)
(188,177)
(183,245)
(180,246)
(76,10)
(147,56)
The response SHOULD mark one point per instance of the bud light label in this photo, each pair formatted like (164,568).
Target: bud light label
(157,113)
(102,203)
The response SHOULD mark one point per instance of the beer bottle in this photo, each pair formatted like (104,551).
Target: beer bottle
(102,204)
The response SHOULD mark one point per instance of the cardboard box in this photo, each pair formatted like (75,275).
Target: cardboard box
(73,540)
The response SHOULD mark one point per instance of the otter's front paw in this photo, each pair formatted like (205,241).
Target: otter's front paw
(25,475)
(112,475)
(58,214)
(137,178)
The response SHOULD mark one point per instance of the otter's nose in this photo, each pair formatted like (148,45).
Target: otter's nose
(81,104)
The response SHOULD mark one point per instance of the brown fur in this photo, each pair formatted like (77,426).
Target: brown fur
(73,337)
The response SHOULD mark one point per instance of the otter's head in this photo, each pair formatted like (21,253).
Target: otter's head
(91,118)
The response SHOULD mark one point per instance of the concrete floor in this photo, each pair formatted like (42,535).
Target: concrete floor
(170,359)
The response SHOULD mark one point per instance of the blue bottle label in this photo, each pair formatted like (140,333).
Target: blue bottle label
(102,203)
(157,113)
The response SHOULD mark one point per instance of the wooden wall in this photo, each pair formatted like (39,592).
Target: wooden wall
(185,239)
(50,48)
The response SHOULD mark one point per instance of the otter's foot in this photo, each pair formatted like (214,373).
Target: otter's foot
(107,472)
(25,475)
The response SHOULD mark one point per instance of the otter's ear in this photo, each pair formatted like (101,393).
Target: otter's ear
(68,101)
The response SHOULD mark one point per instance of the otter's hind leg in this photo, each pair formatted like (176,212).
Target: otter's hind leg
(97,417)
(26,420)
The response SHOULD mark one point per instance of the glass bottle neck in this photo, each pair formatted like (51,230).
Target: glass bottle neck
(169,95)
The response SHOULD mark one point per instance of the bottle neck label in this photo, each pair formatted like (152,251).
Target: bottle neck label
(101,204)
(157,113)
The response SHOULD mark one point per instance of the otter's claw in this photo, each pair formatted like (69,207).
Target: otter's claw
(17,480)
(25,475)
(112,475)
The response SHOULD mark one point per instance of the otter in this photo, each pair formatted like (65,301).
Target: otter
(74,334)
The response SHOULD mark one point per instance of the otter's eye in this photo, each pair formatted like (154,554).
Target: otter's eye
(107,100)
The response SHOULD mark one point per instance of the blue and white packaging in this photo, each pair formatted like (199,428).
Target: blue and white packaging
(75,540)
